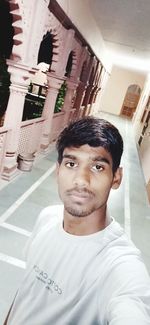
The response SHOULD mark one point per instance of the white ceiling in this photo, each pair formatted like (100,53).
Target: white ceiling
(125,28)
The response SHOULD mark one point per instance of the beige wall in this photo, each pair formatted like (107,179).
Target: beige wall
(144,149)
(80,14)
(139,111)
(117,85)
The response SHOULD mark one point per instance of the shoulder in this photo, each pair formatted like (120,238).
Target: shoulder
(127,271)
(126,282)
(49,215)
(124,258)
(129,292)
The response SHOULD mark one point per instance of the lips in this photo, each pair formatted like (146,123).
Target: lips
(81,195)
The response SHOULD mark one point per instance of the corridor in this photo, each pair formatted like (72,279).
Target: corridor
(24,198)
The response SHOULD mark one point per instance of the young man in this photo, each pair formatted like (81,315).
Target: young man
(81,267)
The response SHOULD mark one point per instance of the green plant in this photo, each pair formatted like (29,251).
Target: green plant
(60,98)
(39,105)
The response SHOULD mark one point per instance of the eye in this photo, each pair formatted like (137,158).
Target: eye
(70,164)
(98,168)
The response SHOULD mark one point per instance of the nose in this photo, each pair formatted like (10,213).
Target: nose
(82,177)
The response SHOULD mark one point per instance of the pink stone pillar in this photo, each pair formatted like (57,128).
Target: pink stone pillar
(79,97)
(54,84)
(87,95)
(13,117)
(68,103)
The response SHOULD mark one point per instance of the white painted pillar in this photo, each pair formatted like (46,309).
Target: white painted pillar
(68,103)
(13,117)
(54,84)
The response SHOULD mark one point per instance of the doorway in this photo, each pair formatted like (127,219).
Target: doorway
(131,101)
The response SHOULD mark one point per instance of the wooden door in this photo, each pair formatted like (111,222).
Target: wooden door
(130,104)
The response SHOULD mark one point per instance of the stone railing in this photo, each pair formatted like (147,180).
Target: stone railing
(30,134)
(3,140)
(57,125)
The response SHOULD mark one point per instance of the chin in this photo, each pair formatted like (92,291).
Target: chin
(78,212)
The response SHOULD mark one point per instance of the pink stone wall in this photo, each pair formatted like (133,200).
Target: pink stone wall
(31,21)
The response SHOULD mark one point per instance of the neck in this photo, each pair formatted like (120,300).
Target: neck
(82,226)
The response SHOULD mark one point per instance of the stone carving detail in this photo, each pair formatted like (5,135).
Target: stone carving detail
(26,143)
(18,30)
(2,137)
(57,32)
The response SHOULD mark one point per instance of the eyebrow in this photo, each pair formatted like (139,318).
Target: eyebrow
(69,156)
(99,158)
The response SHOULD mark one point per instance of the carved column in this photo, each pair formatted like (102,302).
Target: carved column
(79,97)
(90,108)
(54,84)
(86,99)
(68,103)
(13,117)
(87,95)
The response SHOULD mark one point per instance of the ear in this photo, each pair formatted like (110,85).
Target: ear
(117,178)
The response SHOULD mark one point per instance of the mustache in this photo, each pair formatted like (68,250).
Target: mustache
(80,191)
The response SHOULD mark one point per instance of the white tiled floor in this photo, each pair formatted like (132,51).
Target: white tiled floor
(28,194)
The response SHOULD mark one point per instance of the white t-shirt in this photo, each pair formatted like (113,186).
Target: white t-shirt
(81,280)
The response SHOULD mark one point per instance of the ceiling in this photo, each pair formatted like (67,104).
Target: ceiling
(125,28)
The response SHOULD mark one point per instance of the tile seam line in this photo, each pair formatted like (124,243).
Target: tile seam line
(25,195)
(12,260)
(16,229)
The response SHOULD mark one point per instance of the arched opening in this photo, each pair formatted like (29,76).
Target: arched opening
(35,98)
(6,30)
(131,101)
(6,44)
(36,95)
(46,49)
(69,65)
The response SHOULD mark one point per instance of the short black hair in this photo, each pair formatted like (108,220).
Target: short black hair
(95,132)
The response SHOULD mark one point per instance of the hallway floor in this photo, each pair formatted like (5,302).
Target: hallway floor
(24,198)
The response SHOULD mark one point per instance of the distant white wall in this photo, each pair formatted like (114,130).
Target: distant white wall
(79,13)
(144,149)
(116,87)
(140,108)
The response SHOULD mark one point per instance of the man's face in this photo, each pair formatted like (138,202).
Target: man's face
(85,178)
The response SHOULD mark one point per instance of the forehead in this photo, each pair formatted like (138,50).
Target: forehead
(86,152)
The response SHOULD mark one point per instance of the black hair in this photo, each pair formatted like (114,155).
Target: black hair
(95,132)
